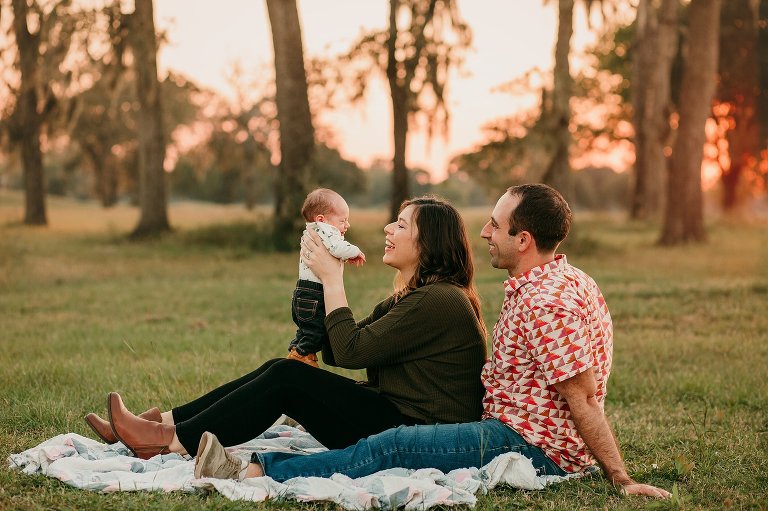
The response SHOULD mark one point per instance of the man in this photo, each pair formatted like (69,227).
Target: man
(545,382)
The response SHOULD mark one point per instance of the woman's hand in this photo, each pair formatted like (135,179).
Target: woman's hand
(317,257)
(327,268)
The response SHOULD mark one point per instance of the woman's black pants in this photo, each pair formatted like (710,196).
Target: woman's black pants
(335,410)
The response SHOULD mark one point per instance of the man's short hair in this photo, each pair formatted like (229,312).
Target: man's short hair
(543,212)
(320,201)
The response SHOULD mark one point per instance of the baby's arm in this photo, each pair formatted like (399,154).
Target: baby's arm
(337,245)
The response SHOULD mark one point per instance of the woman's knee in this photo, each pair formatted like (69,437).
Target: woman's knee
(289,370)
(249,377)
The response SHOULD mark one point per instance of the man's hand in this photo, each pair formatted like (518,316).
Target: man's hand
(644,489)
(579,391)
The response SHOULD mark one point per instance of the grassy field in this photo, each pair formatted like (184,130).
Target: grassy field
(84,312)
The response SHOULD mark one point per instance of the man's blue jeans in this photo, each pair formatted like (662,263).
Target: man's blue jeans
(442,446)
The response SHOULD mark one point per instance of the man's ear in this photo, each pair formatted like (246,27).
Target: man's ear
(525,241)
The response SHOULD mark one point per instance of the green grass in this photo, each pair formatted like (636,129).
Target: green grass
(83,312)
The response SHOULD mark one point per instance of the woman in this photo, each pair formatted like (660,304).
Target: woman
(423,348)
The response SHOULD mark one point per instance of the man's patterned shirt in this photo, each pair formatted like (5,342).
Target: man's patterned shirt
(553,325)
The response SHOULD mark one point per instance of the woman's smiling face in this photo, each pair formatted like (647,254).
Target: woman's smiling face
(401,250)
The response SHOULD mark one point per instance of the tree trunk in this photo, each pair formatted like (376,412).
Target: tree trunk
(400,184)
(399,94)
(34,180)
(104,172)
(655,47)
(558,173)
(730,180)
(684,214)
(109,181)
(297,136)
(153,201)
(27,121)
(739,89)
(249,172)
(762,99)
(762,56)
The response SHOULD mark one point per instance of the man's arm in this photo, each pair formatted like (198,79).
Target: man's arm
(579,392)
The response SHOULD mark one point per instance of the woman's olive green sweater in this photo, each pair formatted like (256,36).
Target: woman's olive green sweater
(423,352)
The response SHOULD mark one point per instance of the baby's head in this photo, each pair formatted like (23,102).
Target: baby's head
(324,205)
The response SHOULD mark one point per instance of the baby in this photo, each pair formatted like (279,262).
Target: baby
(326,213)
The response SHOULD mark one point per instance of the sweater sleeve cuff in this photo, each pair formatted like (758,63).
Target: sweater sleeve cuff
(338,316)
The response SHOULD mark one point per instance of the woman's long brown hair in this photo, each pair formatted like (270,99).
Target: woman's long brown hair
(445,254)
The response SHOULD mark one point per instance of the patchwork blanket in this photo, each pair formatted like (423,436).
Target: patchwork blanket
(91,465)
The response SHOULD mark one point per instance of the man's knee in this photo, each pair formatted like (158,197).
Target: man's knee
(404,439)
(438,438)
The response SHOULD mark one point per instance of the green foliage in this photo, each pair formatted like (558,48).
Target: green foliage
(232,162)
(330,170)
(378,189)
(214,183)
(601,190)
(214,172)
(55,37)
(676,501)
(594,189)
(427,41)
(516,153)
(683,466)
(461,190)
(90,103)
(520,148)
(256,236)
(613,53)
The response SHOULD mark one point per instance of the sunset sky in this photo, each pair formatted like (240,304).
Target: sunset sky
(510,37)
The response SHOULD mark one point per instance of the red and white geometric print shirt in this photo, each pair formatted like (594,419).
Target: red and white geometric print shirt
(554,324)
